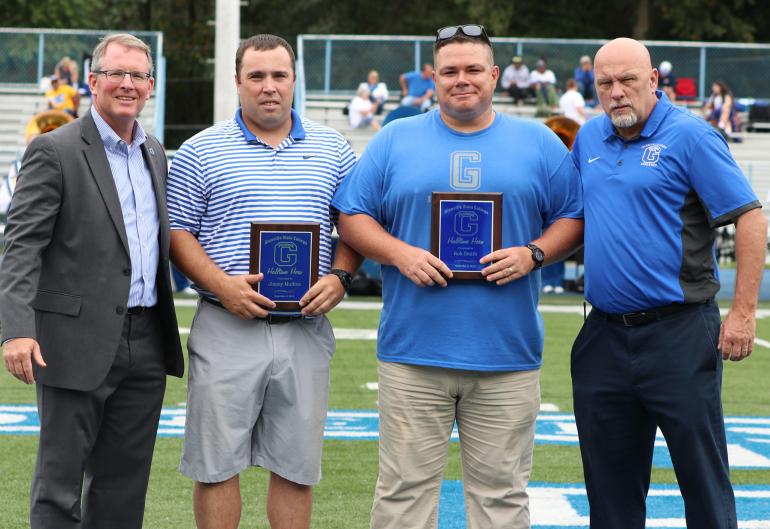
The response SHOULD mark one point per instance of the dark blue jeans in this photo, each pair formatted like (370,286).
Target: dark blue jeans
(627,382)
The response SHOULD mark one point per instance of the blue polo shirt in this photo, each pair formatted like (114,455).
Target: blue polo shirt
(471,325)
(651,208)
(224,178)
(416,85)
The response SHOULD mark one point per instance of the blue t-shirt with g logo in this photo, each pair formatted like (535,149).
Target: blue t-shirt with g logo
(469,324)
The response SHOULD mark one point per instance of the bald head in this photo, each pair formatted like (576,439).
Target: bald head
(627,50)
(626,83)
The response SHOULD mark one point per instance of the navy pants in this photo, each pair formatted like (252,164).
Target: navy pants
(627,382)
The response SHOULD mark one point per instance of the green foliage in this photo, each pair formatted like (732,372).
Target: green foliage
(77,14)
(350,467)
(704,20)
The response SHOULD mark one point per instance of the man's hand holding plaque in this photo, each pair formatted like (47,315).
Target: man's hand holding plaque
(507,265)
(322,296)
(239,295)
(422,267)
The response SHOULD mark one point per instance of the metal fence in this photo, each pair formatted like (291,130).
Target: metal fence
(29,54)
(336,64)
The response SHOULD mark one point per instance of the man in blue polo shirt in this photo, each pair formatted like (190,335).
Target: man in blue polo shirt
(448,350)
(657,181)
(258,383)
(418,87)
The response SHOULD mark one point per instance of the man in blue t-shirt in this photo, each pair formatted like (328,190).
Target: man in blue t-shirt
(466,350)
(418,87)
(657,183)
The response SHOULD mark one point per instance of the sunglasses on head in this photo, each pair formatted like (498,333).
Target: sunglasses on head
(474,31)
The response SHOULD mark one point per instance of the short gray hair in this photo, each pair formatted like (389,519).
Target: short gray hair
(122,39)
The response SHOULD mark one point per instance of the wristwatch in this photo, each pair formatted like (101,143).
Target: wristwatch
(345,278)
(537,255)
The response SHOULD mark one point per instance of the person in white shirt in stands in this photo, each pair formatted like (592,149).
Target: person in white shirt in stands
(543,82)
(572,104)
(515,80)
(361,110)
(378,91)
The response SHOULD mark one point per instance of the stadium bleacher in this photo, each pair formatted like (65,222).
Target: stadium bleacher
(18,105)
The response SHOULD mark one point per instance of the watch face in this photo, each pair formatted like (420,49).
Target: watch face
(537,255)
(345,278)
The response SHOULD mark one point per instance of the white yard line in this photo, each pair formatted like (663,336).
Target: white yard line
(371,334)
(348,304)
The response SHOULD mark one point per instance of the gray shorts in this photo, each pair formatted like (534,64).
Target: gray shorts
(257,396)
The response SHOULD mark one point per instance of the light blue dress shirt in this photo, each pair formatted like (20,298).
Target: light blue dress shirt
(138,204)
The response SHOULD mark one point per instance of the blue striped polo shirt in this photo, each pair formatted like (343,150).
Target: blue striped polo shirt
(224,178)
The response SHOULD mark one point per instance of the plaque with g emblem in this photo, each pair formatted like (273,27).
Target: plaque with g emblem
(287,255)
(464,228)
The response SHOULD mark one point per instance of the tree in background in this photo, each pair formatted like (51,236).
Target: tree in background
(189,35)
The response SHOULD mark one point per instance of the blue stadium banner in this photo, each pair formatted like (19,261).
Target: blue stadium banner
(287,255)
(464,228)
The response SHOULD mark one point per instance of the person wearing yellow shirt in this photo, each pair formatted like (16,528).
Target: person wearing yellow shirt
(62,96)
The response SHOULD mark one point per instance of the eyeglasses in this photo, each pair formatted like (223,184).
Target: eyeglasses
(474,31)
(117,76)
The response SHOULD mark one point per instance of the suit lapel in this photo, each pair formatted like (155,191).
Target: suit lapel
(101,172)
(155,161)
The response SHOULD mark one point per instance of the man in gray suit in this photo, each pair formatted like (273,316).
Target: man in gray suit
(86,309)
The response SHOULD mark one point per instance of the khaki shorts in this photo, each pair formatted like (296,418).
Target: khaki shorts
(257,396)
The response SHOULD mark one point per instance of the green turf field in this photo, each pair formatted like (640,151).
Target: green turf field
(343,498)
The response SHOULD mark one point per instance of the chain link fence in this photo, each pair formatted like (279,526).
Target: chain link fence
(27,55)
(334,65)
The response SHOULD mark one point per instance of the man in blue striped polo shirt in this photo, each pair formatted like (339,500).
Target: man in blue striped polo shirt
(258,386)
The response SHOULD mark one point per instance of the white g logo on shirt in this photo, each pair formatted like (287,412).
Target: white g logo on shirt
(466,170)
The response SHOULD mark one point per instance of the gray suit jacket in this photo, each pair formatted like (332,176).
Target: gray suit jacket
(66,272)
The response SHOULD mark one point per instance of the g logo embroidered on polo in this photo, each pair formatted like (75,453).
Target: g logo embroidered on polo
(465,170)
(651,154)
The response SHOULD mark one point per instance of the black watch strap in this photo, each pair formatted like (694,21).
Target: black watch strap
(537,255)
(345,278)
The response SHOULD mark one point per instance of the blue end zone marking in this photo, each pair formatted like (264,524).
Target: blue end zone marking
(559,506)
(748,438)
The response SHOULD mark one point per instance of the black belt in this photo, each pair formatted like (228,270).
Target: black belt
(134,311)
(271,318)
(634,319)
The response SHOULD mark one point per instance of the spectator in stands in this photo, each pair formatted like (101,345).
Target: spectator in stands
(361,110)
(584,76)
(543,82)
(62,96)
(378,91)
(719,109)
(67,72)
(515,80)
(417,88)
(572,104)
(667,80)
